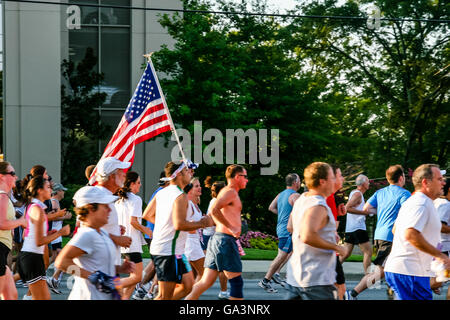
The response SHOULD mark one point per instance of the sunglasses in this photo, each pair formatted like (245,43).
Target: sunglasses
(244,175)
(11,173)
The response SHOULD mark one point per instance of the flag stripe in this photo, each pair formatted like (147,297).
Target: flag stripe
(145,117)
(125,130)
(124,146)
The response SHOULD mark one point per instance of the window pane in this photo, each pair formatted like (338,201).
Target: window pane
(80,40)
(89,15)
(1,82)
(115,60)
(109,118)
(114,16)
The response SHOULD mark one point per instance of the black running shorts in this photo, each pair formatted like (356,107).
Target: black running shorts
(169,268)
(383,250)
(135,257)
(357,237)
(4,251)
(340,277)
(31,267)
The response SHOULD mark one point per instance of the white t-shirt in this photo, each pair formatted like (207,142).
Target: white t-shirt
(356,221)
(112,227)
(127,208)
(417,212)
(56,224)
(100,255)
(443,208)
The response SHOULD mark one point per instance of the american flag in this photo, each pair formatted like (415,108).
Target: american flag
(145,117)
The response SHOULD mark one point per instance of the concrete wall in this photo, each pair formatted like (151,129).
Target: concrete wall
(32,113)
(147,36)
(36,42)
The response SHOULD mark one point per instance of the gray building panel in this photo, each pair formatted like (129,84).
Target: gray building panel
(36,41)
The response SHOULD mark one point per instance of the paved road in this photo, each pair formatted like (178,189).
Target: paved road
(252,291)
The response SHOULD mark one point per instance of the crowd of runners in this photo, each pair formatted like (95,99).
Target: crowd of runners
(190,249)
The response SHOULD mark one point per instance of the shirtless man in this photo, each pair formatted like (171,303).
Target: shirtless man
(223,253)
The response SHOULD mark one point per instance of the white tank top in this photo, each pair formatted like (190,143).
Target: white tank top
(356,221)
(166,240)
(195,215)
(310,266)
(209,231)
(29,240)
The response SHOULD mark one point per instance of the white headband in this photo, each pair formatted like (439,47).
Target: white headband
(174,175)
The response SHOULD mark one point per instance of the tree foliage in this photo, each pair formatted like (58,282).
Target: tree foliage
(394,80)
(236,72)
(337,90)
(80,122)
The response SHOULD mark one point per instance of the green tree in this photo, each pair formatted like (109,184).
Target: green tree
(337,89)
(391,83)
(80,122)
(239,72)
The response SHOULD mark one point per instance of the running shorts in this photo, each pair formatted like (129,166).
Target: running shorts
(383,250)
(409,287)
(56,246)
(340,277)
(223,253)
(193,250)
(4,251)
(205,242)
(357,237)
(31,267)
(135,257)
(311,293)
(285,244)
(170,268)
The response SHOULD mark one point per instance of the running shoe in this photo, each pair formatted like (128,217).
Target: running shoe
(155,290)
(390,293)
(139,294)
(53,285)
(224,295)
(25,297)
(348,296)
(149,296)
(277,278)
(267,286)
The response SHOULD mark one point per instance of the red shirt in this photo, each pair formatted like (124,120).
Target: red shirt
(331,202)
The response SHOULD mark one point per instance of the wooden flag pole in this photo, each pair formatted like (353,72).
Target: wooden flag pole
(172,126)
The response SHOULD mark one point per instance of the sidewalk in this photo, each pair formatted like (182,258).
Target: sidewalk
(256,269)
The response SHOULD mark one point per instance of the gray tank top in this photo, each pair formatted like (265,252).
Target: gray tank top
(310,266)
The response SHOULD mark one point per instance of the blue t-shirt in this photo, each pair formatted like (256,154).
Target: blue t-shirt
(387,201)
(284,211)
(149,224)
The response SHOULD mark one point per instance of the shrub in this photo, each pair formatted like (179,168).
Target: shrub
(258,240)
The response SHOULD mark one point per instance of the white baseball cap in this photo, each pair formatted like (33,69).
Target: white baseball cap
(89,194)
(107,165)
